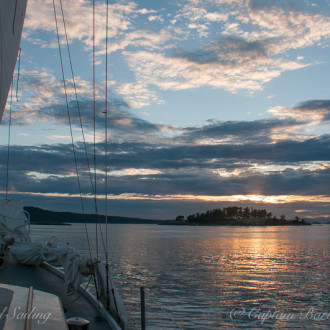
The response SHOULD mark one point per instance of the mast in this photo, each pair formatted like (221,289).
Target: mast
(11,24)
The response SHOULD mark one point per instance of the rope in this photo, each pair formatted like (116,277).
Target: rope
(164,311)
(9,129)
(80,292)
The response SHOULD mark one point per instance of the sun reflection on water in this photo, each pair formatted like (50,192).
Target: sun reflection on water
(201,274)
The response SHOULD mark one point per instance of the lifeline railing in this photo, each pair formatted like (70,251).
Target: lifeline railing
(143,309)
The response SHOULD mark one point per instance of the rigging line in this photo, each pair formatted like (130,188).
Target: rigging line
(109,279)
(80,118)
(19,66)
(164,310)
(74,150)
(94,131)
(73,146)
(9,129)
(72,140)
(106,154)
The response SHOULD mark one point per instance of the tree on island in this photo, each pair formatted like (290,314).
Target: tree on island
(233,213)
(179,218)
(238,216)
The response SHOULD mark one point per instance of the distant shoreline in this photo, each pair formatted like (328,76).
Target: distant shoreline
(43,217)
(240,222)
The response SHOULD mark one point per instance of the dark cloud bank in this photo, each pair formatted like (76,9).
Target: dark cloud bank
(177,165)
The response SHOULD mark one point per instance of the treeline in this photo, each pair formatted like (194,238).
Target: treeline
(230,213)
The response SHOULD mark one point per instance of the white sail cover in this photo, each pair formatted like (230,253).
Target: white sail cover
(13,222)
(12,14)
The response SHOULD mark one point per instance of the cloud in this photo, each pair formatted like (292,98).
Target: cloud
(122,29)
(250,168)
(244,59)
(136,94)
(171,171)
(314,111)
(239,132)
(229,63)
(38,18)
(289,25)
(234,45)
(141,39)
(219,162)
(40,90)
(195,17)
(241,45)
(44,100)
(227,51)
(155,18)
(119,119)
(286,23)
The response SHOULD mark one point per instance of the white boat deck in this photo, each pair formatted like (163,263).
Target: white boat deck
(42,279)
(25,308)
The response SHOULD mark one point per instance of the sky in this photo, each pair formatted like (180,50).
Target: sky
(211,103)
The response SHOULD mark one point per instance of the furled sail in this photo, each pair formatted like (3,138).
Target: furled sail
(12,14)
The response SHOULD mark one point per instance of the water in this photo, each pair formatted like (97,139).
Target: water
(216,277)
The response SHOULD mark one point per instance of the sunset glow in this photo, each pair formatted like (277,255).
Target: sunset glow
(209,103)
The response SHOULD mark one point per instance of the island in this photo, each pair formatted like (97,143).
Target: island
(236,216)
(40,216)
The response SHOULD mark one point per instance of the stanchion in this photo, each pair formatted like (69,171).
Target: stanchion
(143,309)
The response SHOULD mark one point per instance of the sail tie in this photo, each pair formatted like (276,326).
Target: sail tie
(18,70)
(14,19)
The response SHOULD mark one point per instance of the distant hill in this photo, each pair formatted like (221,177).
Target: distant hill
(41,216)
(319,220)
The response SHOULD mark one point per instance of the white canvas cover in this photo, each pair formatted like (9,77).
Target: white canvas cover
(13,222)
(34,254)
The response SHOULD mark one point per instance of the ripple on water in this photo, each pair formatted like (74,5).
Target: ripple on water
(202,276)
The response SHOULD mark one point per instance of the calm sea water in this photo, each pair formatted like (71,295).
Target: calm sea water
(215,277)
